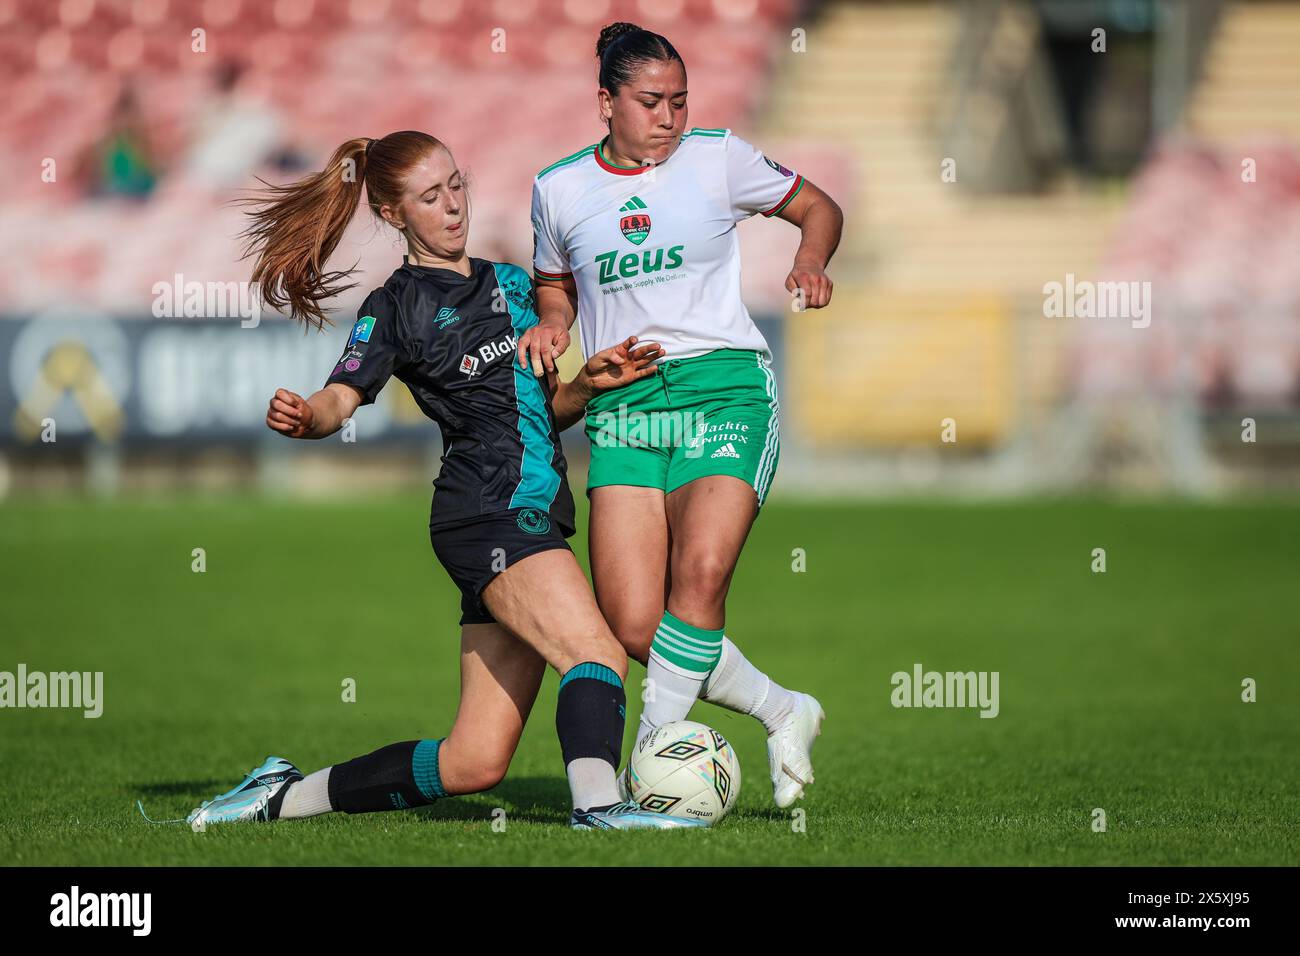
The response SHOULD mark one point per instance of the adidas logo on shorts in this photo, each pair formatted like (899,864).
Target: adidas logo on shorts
(726,451)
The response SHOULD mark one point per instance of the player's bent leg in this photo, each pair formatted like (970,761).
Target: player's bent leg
(708,520)
(499,679)
(706,549)
(545,599)
(628,538)
(500,676)
(631,582)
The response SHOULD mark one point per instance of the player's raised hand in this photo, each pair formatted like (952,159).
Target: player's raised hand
(810,286)
(541,345)
(621,364)
(289,414)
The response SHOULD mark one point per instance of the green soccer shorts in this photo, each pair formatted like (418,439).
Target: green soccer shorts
(715,414)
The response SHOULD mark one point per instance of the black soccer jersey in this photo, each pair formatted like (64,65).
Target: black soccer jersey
(452,339)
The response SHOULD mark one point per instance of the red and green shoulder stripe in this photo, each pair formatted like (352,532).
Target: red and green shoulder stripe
(550,276)
(793,191)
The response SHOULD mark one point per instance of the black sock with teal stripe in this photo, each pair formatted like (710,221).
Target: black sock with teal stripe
(395,777)
(590,712)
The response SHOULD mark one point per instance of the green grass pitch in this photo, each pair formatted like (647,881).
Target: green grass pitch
(1119,691)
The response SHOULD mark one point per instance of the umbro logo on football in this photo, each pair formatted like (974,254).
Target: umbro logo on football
(726,451)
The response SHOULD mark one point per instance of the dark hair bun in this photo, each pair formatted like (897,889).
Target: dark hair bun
(611,32)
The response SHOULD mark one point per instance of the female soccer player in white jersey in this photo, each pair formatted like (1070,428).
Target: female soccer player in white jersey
(638,233)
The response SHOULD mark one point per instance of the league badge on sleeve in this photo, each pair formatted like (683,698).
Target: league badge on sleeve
(778,167)
(361,331)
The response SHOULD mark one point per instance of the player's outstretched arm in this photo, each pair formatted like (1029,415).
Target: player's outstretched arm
(821,222)
(317,417)
(557,307)
(612,368)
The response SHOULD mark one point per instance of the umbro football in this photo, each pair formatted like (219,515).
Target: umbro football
(685,769)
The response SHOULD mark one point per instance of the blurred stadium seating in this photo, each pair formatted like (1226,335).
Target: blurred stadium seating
(949,319)
(939,306)
(327,70)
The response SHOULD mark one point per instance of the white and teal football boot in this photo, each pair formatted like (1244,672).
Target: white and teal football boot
(628,816)
(256,797)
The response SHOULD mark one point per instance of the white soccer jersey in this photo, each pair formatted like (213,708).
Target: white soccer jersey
(653,249)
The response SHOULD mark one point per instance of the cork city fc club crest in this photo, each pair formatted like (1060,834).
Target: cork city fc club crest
(635,222)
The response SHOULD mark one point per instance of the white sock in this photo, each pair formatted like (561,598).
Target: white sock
(675,693)
(738,685)
(681,656)
(592,783)
(308,797)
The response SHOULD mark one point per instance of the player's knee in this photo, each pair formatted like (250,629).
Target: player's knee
(486,771)
(635,634)
(473,759)
(638,647)
(611,653)
(583,636)
(702,576)
(598,646)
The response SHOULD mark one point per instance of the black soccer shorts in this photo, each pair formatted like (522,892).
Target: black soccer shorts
(476,551)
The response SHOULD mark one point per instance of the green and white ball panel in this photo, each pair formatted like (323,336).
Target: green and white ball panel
(685,769)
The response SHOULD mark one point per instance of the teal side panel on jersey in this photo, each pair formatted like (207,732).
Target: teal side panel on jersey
(538,481)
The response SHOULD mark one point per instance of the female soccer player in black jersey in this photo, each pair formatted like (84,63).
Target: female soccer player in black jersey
(447,325)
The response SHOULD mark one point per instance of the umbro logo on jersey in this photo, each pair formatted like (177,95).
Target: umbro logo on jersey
(635,225)
(726,451)
(446,317)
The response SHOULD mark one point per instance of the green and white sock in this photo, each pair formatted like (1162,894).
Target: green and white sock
(681,657)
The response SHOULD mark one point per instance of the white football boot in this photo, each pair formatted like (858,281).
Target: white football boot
(789,749)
